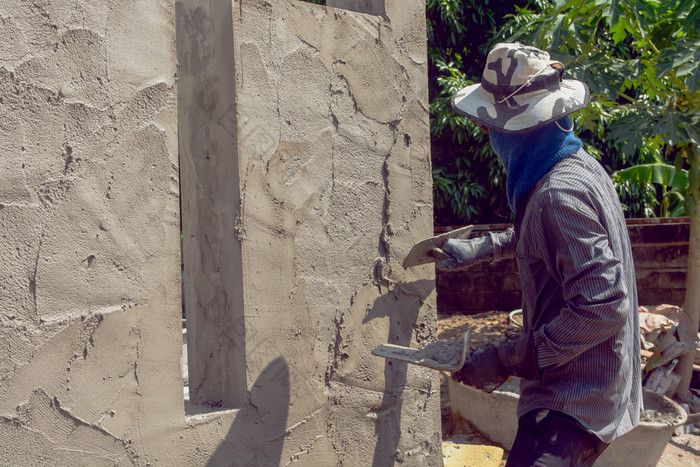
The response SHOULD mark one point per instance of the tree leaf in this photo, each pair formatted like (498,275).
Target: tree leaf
(661,174)
(692,20)
(619,30)
(611,12)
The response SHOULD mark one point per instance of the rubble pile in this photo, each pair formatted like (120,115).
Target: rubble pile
(663,342)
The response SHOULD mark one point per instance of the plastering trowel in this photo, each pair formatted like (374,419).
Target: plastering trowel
(441,355)
(428,250)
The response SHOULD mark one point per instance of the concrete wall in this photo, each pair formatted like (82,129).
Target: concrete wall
(304,158)
(312,124)
(89,283)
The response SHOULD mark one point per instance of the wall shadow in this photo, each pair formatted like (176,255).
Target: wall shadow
(257,435)
(402,310)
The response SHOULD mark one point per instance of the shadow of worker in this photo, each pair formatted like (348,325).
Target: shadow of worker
(257,435)
(401,305)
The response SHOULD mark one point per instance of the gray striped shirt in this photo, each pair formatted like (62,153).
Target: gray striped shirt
(579,298)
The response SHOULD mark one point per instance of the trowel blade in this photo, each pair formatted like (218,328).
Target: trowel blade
(428,250)
(440,355)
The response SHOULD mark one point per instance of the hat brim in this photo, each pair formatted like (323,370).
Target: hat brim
(521,113)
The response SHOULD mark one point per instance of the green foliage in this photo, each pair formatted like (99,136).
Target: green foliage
(456,188)
(638,200)
(665,176)
(641,62)
(468,181)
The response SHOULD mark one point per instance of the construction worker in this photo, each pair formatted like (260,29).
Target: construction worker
(579,354)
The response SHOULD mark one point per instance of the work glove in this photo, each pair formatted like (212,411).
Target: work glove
(466,252)
(489,367)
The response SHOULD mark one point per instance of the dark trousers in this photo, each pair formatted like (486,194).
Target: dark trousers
(547,438)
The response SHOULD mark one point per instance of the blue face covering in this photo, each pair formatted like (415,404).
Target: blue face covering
(527,157)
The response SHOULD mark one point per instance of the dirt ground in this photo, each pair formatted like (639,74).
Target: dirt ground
(490,328)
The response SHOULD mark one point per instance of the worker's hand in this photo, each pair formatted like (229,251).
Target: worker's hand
(429,250)
(465,253)
(489,367)
(483,370)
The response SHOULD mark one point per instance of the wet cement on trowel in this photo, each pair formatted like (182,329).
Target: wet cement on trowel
(442,352)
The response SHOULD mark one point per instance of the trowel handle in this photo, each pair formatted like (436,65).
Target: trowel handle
(466,348)
(461,233)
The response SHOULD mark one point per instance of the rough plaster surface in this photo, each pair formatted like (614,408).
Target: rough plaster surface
(305,179)
(325,123)
(89,283)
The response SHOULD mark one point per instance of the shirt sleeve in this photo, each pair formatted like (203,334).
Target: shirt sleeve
(504,244)
(575,248)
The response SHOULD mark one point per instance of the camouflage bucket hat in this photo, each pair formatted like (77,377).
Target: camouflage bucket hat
(521,90)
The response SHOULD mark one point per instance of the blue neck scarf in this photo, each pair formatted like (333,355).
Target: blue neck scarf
(527,157)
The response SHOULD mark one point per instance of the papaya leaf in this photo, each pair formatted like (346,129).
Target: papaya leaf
(630,131)
(611,12)
(693,71)
(692,19)
(682,6)
(619,31)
